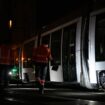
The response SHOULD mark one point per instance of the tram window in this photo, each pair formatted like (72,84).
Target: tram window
(68,53)
(56,47)
(69,43)
(27,62)
(100,38)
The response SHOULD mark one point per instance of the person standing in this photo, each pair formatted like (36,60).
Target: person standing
(41,57)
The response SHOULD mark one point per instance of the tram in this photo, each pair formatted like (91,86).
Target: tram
(78,50)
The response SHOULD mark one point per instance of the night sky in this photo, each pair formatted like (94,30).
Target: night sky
(51,10)
(30,15)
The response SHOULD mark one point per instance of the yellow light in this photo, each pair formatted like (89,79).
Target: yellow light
(17,59)
(10,23)
(29,59)
(22,58)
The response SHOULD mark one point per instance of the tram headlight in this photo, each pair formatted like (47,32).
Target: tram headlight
(10,73)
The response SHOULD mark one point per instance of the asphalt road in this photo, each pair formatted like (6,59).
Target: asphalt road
(30,96)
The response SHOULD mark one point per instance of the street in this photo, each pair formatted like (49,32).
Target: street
(29,96)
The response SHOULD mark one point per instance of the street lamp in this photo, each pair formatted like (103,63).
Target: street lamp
(10,23)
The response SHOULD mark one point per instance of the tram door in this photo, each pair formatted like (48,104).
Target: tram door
(97,48)
(100,47)
(68,53)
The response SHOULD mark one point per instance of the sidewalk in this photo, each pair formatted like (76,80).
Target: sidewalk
(56,85)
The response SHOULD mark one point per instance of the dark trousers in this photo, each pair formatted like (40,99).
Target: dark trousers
(41,71)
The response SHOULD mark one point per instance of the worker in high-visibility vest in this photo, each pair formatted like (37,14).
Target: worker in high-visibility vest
(41,57)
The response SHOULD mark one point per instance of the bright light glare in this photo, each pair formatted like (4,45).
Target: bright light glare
(10,73)
(22,58)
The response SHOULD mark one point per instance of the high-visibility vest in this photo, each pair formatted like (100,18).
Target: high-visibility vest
(41,54)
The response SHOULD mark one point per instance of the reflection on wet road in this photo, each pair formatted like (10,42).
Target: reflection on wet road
(29,96)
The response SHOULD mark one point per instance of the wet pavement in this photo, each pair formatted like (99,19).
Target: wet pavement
(52,96)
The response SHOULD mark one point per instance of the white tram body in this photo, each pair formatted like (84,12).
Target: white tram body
(78,50)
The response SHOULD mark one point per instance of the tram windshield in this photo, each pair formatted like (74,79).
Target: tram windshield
(100,38)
